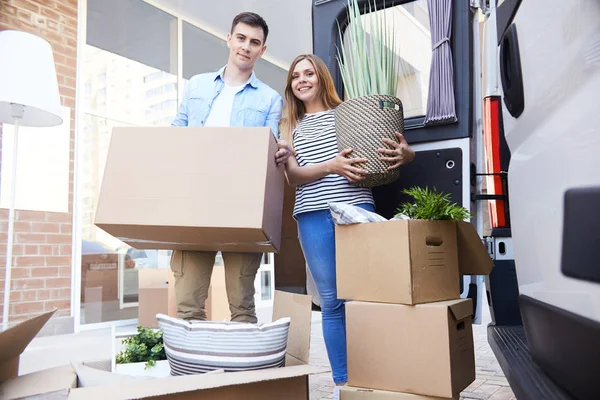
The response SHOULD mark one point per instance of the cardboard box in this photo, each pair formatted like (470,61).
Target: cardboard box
(193,189)
(290,382)
(156,295)
(290,265)
(407,261)
(13,342)
(425,349)
(51,384)
(354,393)
(100,271)
(217,303)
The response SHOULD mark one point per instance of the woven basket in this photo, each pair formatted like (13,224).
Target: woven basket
(360,124)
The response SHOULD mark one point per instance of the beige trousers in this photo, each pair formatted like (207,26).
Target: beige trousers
(193,270)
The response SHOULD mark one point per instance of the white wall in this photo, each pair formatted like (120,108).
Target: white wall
(290,21)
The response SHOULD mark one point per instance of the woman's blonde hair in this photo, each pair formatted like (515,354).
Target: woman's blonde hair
(294,109)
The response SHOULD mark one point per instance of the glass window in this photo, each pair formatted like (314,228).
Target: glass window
(265,285)
(129,72)
(130,78)
(413,47)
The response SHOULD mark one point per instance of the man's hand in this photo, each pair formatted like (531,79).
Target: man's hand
(284,152)
(399,154)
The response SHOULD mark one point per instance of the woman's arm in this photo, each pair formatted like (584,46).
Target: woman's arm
(339,165)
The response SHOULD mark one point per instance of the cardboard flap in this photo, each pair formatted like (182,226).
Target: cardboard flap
(188,383)
(41,382)
(473,257)
(298,308)
(14,340)
(461,309)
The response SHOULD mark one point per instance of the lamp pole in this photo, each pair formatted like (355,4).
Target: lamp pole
(29,97)
(17,114)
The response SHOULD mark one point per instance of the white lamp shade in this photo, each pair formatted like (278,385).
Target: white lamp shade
(28,78)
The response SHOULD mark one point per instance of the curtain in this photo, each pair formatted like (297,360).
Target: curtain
(441,106)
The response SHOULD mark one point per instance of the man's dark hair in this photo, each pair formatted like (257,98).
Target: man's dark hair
(252,19)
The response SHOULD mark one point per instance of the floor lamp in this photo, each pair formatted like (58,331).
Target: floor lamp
(28,97)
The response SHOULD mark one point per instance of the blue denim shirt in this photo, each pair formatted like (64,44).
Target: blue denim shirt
(255,105)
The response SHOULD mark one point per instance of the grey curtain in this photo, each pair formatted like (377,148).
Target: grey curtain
(441,107)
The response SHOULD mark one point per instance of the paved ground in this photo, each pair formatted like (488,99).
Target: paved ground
(489,385)
(45,352)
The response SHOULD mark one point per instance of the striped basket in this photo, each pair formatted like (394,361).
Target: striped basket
(361,123)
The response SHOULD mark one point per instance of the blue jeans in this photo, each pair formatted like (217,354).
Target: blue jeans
(316,232)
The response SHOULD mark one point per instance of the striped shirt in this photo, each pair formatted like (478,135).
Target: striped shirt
(315,142)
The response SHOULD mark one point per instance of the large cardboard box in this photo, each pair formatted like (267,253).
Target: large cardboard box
(425,349)
(289,382)
(193,189)
(354,393)
(407,261)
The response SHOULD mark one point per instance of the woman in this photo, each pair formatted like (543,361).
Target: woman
(321,176)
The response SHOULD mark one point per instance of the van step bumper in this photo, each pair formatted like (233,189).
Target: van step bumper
(526,379)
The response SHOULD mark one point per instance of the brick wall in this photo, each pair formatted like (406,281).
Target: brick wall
(41,274)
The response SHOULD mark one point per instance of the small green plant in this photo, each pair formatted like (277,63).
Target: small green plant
(146,346)
(431,205)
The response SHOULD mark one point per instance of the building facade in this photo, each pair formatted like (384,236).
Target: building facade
(125,63)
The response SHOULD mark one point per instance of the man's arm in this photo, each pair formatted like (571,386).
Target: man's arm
(275,115)
(181,119)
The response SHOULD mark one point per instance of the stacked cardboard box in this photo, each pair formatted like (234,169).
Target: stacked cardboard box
(409,335)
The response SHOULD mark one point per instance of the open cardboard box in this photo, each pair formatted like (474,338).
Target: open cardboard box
(193,188)
(407,261)
(290,382)
(13,342)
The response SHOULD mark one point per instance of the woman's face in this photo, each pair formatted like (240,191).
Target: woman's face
(305,84)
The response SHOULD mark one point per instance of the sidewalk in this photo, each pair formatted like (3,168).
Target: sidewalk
(46,352)
(489,385)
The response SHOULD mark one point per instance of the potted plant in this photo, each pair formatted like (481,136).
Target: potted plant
(369,67)
(144,354)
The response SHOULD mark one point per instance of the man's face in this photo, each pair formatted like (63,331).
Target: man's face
(246,45)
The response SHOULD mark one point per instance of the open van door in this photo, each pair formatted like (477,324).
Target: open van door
(544,59)
(445,155)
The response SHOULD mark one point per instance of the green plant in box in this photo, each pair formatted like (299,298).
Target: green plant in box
(146,346)
(431,205)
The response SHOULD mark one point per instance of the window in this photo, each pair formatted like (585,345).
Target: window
(413,46)
(265,285)
(130,78)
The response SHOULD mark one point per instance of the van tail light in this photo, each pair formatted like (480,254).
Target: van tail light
(497,158)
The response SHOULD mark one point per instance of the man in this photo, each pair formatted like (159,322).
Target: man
(232,96)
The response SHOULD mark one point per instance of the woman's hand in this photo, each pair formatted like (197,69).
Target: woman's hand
(399,154)
(344,166)
(283,153)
